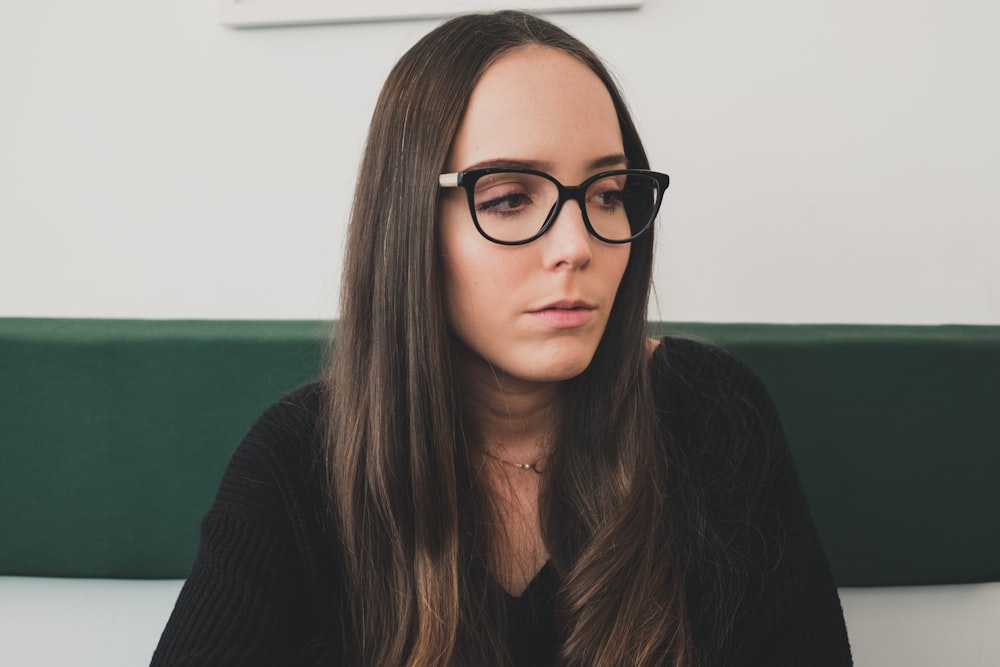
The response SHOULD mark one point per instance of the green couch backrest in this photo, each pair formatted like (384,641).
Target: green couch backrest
(114,434)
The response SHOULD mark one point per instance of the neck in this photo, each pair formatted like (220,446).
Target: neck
(514,418)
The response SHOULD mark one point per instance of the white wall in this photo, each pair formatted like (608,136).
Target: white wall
(832,160)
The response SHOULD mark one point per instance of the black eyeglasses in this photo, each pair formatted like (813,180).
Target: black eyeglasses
(516,206)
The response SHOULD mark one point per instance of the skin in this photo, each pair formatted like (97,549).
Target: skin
(541,108)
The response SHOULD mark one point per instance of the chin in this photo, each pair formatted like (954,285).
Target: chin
(565,364)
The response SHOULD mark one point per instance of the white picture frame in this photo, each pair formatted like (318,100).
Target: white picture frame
(261,13)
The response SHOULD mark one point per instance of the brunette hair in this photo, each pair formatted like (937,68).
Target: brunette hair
(402,494)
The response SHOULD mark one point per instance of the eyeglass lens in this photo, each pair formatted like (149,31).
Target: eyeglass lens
(513,206)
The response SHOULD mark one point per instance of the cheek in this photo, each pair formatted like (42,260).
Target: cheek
(463,271)
(473,286)
(615,263)
(460,290)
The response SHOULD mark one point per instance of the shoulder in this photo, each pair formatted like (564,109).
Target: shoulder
(288,427)
(297,411)
(278,458)
(715,411)
(697,372)
(694,359)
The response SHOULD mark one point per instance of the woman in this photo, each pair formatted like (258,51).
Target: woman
(498,466)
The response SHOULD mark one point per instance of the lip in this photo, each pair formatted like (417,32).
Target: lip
(565,314)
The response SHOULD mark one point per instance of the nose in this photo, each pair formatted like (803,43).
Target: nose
(567,244)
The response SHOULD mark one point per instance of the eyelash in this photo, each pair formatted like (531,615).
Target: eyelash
(491,206)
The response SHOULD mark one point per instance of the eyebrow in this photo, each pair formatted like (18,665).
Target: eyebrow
(616,160)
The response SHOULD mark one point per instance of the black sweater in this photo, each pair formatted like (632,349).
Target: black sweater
(265,585)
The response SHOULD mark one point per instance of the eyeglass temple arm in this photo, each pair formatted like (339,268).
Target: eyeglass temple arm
(448,180)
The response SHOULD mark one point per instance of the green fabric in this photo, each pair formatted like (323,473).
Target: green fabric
(896,433)
(114,434)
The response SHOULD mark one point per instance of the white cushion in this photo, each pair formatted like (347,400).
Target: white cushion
(107,622)
(47,622)
(924,626)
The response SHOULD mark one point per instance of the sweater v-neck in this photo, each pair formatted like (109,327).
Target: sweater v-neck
(540,583)
(531,627)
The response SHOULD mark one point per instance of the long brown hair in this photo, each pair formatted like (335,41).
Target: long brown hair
(401,490)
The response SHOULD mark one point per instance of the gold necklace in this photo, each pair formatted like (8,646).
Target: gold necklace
(533,466)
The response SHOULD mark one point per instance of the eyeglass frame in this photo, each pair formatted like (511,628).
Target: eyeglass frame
(467,180)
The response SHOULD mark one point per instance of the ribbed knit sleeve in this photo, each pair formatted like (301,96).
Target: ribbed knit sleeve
(789,613)
(796,619)
(255,592)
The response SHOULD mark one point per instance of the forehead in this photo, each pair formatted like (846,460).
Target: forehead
(537,104)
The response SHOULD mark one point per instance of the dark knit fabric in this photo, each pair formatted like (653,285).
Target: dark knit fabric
(266,584)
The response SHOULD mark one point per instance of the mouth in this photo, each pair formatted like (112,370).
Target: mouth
(565,314)
(567,304)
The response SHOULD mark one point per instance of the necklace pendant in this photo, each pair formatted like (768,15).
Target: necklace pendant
(538,466)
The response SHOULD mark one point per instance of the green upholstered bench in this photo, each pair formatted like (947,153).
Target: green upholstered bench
(114,434)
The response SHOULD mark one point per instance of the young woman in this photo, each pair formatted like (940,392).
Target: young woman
(498,467)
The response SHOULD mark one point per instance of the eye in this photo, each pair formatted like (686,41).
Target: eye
(509,194)
(507,203)
(607,195)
